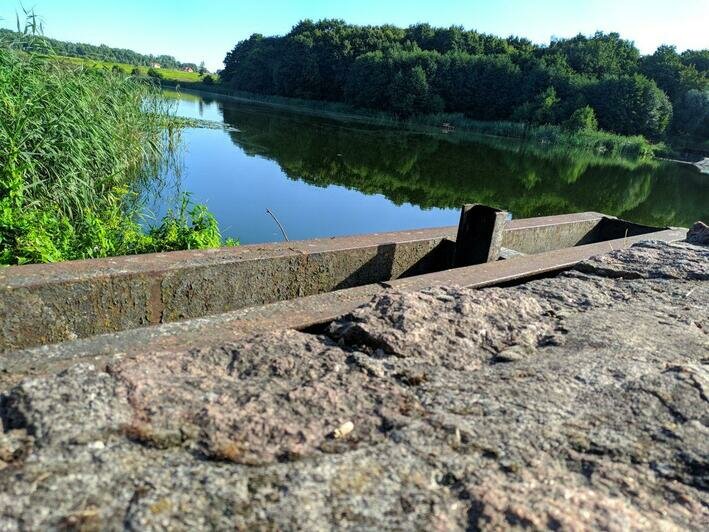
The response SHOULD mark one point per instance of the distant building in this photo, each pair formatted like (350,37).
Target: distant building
(155,65)
(188,69)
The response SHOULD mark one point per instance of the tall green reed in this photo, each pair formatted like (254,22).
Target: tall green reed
(76,146)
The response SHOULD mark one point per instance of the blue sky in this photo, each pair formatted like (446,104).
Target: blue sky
(195,30)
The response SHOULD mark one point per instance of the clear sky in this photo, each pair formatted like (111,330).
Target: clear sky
(203,30)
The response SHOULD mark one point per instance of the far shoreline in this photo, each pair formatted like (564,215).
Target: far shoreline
(597,143)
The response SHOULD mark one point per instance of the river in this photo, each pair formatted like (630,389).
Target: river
(324,177)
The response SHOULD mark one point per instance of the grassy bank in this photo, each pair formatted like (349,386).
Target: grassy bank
(599,143)
(173,75)
(77,144)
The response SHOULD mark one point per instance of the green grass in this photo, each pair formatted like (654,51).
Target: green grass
(168,73)
(78,144)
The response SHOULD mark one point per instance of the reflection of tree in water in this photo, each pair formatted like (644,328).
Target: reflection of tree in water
(437,171)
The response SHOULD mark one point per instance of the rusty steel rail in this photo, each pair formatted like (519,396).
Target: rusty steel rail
(301,313)
(51,303)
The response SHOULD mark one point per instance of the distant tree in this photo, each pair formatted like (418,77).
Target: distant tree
(409,92)
(135,71)
(699,59)
(423,69)
(117,70)
(674,77)
(546,105)
(208,80)
(600,55)
(202,69)
(106,53)
(691,113)
(631,105)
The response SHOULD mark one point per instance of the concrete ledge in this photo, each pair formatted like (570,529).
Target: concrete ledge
(50,303)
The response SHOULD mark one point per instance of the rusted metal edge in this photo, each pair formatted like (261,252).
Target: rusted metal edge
(521,267)
(300,313)
(515,231)
(46,304)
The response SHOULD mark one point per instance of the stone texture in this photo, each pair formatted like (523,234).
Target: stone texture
(576,402)
(698,234)
(651,260)
(269,398)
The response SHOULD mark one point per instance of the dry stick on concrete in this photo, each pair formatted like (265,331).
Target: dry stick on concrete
(268,211)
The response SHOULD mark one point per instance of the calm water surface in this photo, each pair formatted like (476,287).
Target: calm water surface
(325,178)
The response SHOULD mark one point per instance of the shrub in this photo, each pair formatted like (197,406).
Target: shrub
(155,73)
(582,119)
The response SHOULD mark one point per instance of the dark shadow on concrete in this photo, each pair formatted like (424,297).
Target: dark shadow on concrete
(380,268)
(376,270)
(613,228)
(440,258)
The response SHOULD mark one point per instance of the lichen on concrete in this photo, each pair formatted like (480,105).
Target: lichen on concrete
(574,402)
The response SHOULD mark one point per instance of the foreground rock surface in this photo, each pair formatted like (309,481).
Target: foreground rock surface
(575,402)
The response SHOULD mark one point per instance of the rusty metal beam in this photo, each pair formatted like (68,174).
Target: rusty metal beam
(50,303)
(299,313)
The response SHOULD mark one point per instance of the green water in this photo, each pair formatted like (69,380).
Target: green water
(326,177)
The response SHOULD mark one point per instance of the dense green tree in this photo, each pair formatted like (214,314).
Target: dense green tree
(545,108)
(673,76)
(691,113)
(699,59)
(600,55)
(484,87)
(410,93)
(631,105)
(422,69)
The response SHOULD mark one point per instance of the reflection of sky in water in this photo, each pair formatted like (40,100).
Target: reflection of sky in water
(190,106)
(238,188)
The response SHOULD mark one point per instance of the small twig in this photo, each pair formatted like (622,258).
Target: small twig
(268,211)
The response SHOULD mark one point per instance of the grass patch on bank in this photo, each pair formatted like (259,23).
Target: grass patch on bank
(123,68)
(77,145)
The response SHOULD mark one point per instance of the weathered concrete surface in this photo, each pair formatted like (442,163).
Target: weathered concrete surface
(575,402)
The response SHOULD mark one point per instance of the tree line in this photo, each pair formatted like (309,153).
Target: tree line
(580,83)
(101,52)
